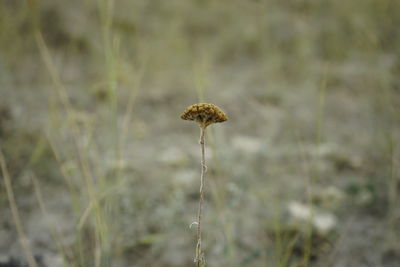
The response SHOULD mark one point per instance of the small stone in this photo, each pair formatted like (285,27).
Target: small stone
(324,222)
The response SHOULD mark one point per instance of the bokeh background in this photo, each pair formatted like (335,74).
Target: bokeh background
(98,169)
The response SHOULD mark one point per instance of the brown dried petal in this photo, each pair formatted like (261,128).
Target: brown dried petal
(204,114)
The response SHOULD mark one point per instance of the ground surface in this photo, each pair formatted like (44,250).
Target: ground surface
(304,173)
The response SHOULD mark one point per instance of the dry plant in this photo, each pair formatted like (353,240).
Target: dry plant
(204,114)
(16,217)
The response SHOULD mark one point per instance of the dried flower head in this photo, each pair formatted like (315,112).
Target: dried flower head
(204,114)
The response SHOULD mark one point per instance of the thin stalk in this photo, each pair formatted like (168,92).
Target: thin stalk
(15,213)
(53,231)
(199,254)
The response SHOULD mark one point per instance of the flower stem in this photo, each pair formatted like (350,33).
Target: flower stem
(199,253)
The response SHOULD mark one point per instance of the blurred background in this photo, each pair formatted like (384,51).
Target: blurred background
(98,169)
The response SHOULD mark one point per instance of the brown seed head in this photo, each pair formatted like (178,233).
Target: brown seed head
(204,114)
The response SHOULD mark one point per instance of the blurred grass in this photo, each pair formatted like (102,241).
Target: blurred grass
(93,90)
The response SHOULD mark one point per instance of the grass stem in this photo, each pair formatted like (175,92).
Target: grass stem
(15,213)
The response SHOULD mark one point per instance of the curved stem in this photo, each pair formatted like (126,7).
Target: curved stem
(199,254)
